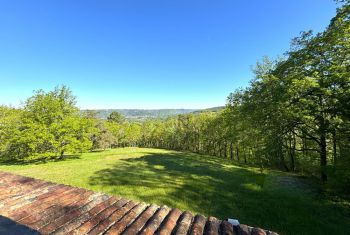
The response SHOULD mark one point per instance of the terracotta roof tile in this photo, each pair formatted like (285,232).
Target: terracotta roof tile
(31,206)
(170,222)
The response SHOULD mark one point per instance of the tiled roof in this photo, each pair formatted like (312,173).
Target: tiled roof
(32,206)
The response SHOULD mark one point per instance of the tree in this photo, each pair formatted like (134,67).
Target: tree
(116,117)
(103,138)
(50,125)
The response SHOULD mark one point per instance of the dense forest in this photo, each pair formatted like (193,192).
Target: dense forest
(293,116)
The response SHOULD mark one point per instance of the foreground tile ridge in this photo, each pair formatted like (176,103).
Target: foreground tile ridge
(33,206)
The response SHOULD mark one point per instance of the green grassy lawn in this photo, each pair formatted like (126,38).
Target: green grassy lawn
(201,184)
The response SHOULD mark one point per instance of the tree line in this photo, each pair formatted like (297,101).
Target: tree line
(294,116)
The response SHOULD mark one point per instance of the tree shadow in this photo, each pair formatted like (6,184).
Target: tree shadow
(38,161)
(209,186)
(8,226)
(98,150)
(203,184)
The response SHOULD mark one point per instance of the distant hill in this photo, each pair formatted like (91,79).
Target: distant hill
(143,114)
(213,109)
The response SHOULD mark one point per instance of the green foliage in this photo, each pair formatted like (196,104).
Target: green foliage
(48,125)
(116,117)
(9,117)
(102,138)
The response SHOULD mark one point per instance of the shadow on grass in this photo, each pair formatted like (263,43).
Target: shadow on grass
(97,150)
(207,186)
(37,161)
(203,184)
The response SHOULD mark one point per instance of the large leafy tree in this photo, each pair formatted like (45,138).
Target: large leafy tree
(50,124)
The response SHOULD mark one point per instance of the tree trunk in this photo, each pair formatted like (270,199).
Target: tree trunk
(61,154)
(323,157)
(231,151)
(292,153)
(245,156)
(334,149)
(220,149)
(281,155)
(225,149)
(323,146)
(322,129)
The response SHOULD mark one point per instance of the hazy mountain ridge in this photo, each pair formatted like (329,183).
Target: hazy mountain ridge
(213,109)
(143,114)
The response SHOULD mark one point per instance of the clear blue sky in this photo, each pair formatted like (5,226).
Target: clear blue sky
(145,54)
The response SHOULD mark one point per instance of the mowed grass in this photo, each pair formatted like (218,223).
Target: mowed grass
(200,184)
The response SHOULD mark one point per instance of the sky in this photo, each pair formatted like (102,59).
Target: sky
(145,54)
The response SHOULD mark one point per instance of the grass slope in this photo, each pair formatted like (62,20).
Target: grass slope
(200,184)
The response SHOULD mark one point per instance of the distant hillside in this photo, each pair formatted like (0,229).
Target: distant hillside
(143,114)
(213,109)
